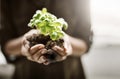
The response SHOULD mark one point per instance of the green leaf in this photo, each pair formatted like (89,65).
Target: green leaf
(40,24)
(60,34)
(48,24)
(44,10)
(55,24)
(54,36)
(65,26)
(43,30)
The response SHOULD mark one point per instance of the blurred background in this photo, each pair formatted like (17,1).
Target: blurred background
(103,60)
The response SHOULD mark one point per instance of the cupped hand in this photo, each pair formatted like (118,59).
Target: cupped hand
(37,52)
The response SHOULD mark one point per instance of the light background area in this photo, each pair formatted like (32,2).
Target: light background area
(103,61)
(2,58)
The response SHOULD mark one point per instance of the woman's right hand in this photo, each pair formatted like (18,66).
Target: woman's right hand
(35,52)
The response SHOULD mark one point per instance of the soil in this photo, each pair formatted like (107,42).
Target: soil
(51,55)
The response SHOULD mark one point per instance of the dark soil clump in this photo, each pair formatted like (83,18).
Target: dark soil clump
(51,55)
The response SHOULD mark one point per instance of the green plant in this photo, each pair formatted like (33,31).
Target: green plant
(48,24)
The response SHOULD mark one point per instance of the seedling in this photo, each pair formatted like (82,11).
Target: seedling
(48,24)
(50,32)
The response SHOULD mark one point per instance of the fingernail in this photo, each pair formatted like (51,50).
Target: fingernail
(41,47)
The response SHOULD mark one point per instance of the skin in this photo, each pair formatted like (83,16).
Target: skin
(20,46)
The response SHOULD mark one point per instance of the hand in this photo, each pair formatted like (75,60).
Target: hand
(35,52)
(57,53)
(65,51)
(38,52)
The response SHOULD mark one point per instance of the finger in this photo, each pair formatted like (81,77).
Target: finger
(37,55)
(31,32)
(69,48)
(24,51)
(35,48)
(59,50)
(25,43)
(44,51)
(46,63)
(42,59)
